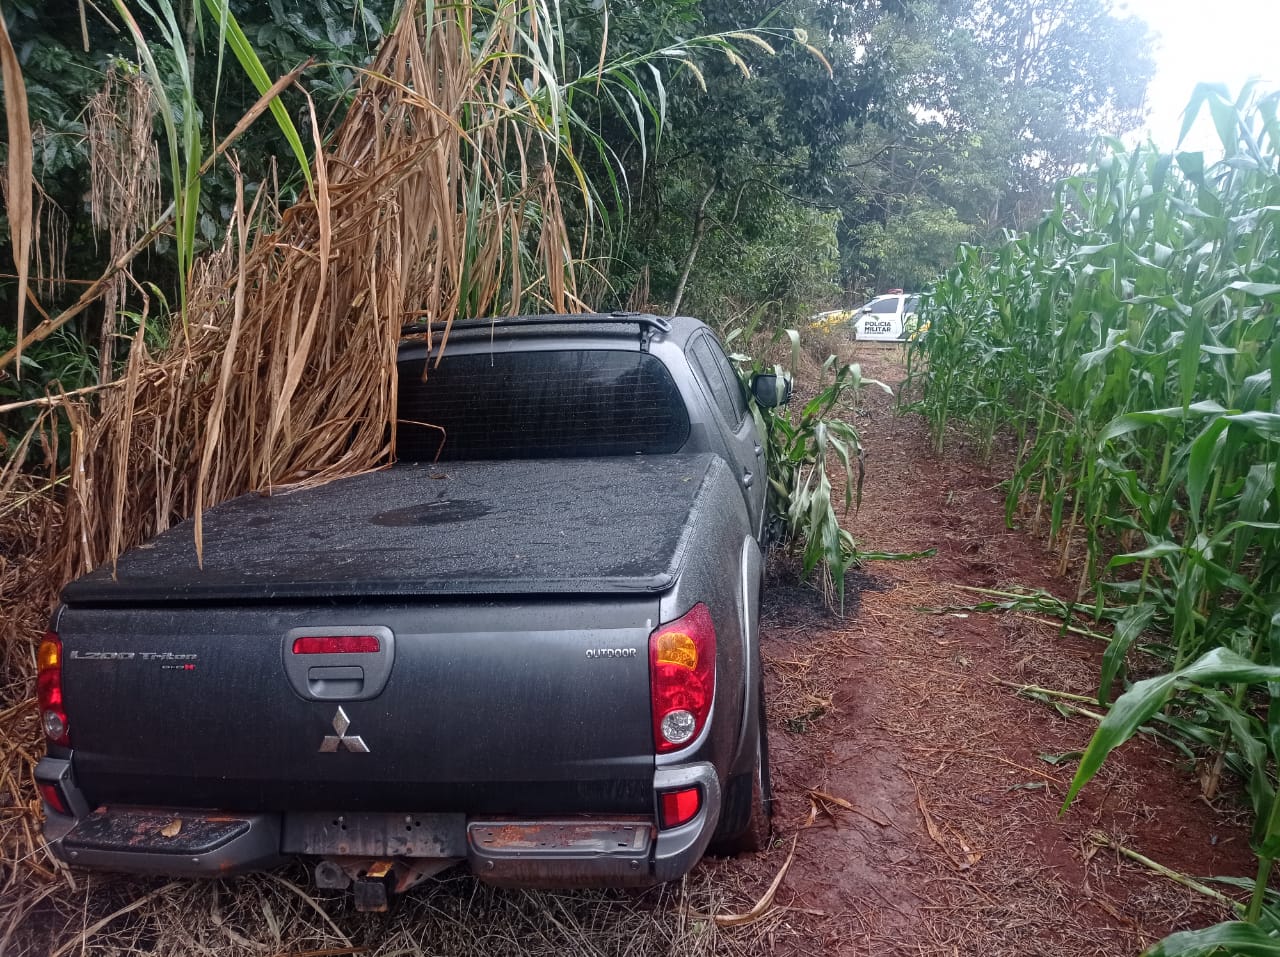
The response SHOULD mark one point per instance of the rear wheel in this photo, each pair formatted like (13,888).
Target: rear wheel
(746,820)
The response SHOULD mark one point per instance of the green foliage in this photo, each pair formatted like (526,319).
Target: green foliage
(912,248)
(776,253)
(64,68)
(872,138)
(65,362)
(1231,939)
(980,108)
(736,210)
(801,445)
(1129,344)
(230,32)
(1141,702)
(185,150)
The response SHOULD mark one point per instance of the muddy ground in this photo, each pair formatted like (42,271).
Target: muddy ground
(917,792)
(956,845)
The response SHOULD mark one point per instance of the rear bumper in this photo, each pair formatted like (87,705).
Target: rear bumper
(578,851)
(623,852)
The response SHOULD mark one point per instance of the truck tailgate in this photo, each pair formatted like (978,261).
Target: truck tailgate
(502,706)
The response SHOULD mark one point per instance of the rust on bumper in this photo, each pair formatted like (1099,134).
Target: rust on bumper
(181,843)
(563,853)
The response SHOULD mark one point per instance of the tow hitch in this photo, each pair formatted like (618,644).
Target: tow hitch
(375,880)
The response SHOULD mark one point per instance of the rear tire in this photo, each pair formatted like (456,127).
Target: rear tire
(746,820)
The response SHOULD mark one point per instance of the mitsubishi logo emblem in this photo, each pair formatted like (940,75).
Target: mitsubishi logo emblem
(336,742)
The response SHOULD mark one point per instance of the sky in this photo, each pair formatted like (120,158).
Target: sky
(1219,41)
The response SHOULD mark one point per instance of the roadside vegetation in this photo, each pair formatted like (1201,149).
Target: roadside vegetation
(174,167)
(1124,353)
(804,438)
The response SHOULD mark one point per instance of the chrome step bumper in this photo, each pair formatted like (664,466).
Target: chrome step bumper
(563,853)
(588,852)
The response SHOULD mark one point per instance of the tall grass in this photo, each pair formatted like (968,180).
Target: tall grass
(1128,346)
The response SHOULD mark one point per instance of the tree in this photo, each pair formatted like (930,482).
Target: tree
(737,211)
(1064,73)
(990,104)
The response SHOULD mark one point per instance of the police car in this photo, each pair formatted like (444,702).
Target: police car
(891,317)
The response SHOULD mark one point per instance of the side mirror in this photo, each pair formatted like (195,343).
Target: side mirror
(770,390)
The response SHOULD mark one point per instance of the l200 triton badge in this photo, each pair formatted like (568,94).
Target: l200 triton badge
(336,742)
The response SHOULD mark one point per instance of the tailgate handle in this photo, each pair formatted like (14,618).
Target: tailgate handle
(335,681)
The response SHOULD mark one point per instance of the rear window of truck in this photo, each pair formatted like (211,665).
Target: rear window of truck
(539,404)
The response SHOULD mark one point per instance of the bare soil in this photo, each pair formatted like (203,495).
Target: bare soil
(955,844)
(917,792)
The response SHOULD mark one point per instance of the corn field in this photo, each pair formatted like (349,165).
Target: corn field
(1127,349)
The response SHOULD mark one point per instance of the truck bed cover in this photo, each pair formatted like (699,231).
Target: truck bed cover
(523,527)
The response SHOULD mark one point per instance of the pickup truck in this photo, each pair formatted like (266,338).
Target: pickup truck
(531,644)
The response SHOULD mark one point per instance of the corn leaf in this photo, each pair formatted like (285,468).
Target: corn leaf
(1145,698)
(1221,940)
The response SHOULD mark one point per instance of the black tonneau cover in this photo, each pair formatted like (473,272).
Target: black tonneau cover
(462,528)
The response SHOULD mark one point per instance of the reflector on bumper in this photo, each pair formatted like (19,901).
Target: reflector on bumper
(681,806)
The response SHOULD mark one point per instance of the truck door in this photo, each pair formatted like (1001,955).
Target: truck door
(745,446)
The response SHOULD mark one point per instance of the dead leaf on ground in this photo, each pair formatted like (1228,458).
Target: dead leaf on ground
(967,858)
(823,796)
(765,904)
(172,828)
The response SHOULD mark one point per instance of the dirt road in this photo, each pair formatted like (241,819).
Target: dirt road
(956,846)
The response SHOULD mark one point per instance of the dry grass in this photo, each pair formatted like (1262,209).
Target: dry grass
(19,188)
(276,914)
(281,372)
(124,188)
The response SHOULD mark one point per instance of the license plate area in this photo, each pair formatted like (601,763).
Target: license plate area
(369,834)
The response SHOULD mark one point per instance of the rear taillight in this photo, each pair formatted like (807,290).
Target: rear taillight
(53,718)
(336,645)
(682,678)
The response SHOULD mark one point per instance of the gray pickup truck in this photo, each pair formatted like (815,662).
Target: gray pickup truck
(531,644)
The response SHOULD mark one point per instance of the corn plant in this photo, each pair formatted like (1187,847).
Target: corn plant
(800,444)
(1129,346)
